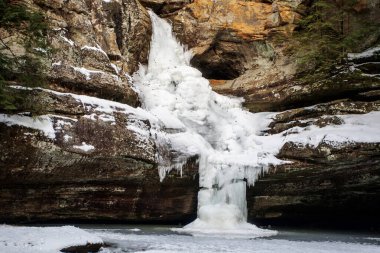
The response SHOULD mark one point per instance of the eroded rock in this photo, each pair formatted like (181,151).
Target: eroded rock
(230,37)
(95,44)
(328,184)
(96,163)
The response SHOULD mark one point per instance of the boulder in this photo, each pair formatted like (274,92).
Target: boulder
(83,248)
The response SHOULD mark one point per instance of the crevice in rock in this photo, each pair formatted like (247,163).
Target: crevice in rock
(118,20)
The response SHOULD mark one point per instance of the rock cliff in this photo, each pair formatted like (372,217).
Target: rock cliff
(243,48)
(99,166)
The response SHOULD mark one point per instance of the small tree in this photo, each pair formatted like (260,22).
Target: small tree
(325,36)
(27,69)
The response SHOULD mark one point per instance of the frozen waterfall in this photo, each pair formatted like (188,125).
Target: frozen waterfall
(197,121)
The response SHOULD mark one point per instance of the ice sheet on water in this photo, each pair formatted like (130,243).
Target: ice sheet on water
(150,243)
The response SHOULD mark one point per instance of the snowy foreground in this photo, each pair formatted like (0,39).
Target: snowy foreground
(161,240)
(14,239)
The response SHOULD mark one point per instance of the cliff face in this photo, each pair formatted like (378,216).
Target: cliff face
(94,44)
(86,161)
(324,184)
(88,158)
(247,47)
(243,46)
(100,167)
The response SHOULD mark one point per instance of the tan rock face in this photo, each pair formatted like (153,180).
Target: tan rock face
(230,37)
(245,44)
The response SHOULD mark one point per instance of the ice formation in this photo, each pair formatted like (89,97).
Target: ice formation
(201,122)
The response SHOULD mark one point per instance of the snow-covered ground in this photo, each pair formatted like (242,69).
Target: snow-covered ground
(15,239)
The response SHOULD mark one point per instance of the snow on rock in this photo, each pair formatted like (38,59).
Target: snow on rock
(14,239)
(42,123)
(360,128)
(115,68)
(97,48)
(86,72)
(85,147)
(58,63)
(67,137)
(67,40)
(367,53)
(95,109)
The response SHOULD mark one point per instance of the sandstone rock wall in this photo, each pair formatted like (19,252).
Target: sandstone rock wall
(94,167)
(94,45)
(325,185)
(235,43)
(242,47)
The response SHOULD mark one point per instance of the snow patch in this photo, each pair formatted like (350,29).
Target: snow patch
(356,128)
(85,147)
(115,68)
(67,40)
(58,63)
(67,137)
(97,48)
(86,72)
(367,53)
(42,123)
(43,239)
